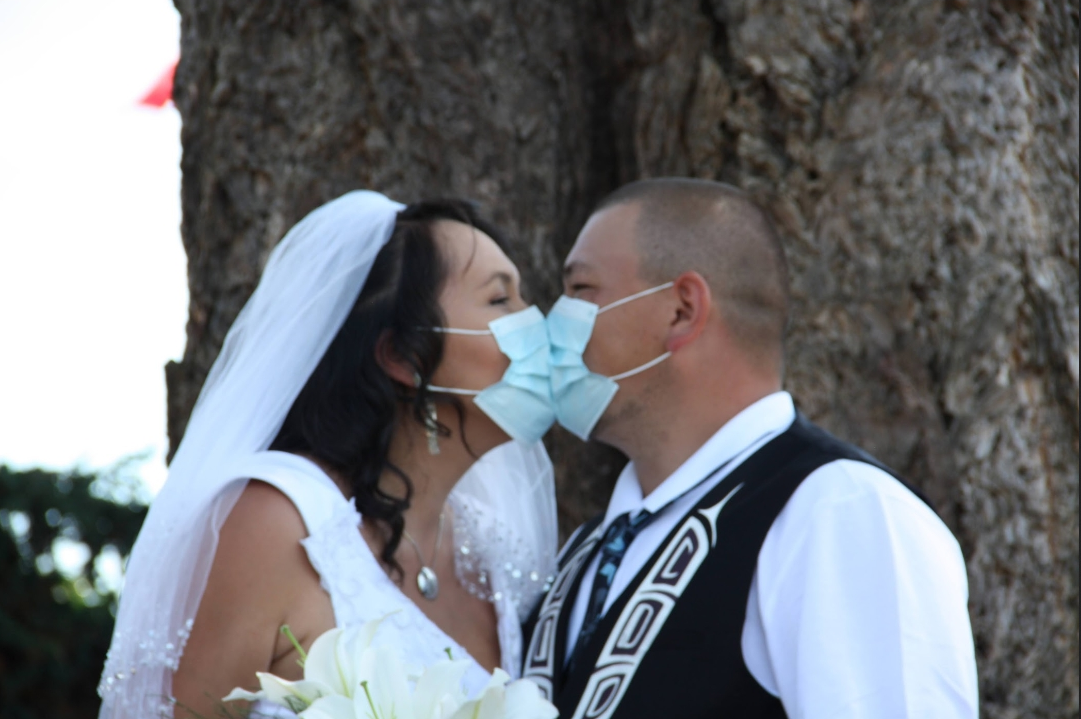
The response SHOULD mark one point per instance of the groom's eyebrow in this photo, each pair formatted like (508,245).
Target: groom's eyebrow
(573,267)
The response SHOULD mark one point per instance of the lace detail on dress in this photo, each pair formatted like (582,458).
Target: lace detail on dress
(493,559)
(494,564)
(516,581)
(360,591)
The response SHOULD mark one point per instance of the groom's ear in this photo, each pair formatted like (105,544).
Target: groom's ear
(694,303)
(391,362)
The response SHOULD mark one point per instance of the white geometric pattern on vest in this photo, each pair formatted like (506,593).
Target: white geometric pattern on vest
(646,611)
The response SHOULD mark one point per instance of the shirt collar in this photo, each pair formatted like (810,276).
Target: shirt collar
(770,415)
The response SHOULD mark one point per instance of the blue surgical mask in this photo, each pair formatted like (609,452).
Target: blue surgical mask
(521,402)
(582,396)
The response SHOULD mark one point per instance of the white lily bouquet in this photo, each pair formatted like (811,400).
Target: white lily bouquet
(346,676)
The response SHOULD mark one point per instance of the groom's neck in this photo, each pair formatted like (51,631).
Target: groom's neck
(665,434)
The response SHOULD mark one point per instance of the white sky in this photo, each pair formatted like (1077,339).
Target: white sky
(93,294)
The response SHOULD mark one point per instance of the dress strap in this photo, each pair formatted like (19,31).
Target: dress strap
(314,494)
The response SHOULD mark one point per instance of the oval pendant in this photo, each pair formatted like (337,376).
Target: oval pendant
(427,583)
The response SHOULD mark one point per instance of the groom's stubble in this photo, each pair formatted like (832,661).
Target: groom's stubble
(703,235)
(603,267)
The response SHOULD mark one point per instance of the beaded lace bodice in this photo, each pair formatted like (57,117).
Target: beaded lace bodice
(361,591)
(494,560)
(359,588)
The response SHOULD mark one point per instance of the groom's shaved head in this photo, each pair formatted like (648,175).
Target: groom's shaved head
(717,231)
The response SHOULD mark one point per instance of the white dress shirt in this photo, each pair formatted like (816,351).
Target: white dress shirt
(858,606)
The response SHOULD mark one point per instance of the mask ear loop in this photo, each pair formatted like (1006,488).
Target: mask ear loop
(454,390)
(635,296)
(643,368)
(457,331)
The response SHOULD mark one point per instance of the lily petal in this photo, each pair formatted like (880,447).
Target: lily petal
(353,644)
(469,710)
(439,683)
(291,694)
(388,684)
(239,694)
(322,664)
(491,704)
(330,707)
(524,701)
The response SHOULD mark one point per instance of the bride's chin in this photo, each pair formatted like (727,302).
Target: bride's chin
(482,435)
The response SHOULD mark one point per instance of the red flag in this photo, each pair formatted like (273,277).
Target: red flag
(162,91)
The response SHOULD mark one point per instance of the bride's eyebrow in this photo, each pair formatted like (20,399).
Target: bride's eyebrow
(501,276)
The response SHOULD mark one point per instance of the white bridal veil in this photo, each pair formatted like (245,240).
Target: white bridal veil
(310,283)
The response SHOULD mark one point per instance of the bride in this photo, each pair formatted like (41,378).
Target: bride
(329,473)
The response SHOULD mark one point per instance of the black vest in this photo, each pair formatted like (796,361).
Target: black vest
(669,646)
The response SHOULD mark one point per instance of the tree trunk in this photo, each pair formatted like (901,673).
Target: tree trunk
(920,158)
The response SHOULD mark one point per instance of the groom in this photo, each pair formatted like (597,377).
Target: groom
(749,564)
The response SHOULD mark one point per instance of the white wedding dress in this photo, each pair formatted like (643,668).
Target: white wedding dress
(504,507)
(361,591)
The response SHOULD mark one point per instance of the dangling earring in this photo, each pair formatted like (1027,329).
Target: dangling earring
(431,428)
(431,421)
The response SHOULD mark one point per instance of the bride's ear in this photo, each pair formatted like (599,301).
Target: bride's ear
(392,363)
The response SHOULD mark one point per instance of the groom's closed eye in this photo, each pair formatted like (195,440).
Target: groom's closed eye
(577,278)
(578,287)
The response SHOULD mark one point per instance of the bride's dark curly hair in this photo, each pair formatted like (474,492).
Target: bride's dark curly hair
(346,414)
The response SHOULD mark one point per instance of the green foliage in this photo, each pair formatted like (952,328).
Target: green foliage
(56,617)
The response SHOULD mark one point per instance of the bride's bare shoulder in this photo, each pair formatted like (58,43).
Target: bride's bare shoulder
(259,580)
(259,551)
(261,501)
(263,523)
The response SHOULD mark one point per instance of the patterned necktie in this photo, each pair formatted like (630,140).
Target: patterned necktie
(613,545)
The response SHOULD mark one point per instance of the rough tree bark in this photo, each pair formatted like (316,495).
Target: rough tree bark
(921,158)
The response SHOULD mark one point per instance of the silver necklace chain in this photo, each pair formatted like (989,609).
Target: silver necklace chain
(427,581)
